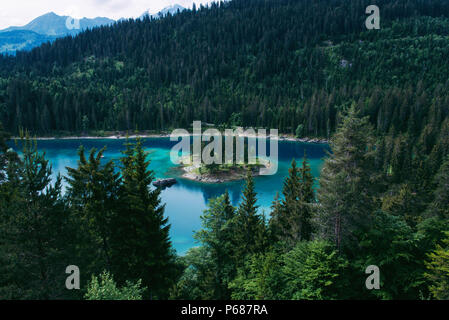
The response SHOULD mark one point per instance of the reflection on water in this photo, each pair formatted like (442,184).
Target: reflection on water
(186,200)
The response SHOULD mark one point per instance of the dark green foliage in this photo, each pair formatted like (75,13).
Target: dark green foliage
(391,245)
(250,232)
(217,236)
(260,278)
(140,244)
(401,200)
(276,222)
(285,218)
(308,68)
(123,223)
(229,238)
(313,270)
(347,181)
(307,200)
(292,217)
(307,180)
(278,64)
(198,281)
(36,230)
(93,194)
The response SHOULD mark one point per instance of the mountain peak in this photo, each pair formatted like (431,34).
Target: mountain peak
(172,9)
(50,14)
(46,27)
(51,24)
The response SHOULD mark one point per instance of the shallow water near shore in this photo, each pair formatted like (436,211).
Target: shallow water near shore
(186,200)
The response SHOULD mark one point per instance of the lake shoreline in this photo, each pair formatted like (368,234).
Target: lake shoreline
(282,137)
(186,200)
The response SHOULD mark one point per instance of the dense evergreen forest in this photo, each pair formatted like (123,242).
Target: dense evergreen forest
(277,64)
(309,68)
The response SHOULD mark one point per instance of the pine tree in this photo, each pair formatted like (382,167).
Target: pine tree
(140,244)
(229,209)
(198,282)
(36,230)
(275,227)
(347,182)
(307,180)
(217,236)
(307,200)
(285,223)
(92,192)
(292,221)
(249,227)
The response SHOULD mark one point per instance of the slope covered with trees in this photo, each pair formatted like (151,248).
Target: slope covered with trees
(304,67)
(107,220)
(278,63)
(317,244)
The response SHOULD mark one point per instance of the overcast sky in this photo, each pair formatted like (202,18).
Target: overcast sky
(20,12)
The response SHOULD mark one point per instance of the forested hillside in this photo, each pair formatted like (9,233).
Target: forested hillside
(305,67)
(275,64)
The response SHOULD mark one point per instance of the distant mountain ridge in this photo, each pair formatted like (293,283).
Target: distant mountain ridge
(47,27)
(51,24)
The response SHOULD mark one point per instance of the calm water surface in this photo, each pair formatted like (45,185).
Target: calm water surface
(186,200)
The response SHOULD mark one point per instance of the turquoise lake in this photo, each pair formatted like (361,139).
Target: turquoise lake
(186,200)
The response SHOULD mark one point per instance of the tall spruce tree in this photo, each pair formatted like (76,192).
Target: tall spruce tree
(347,182)
(292,220)
(249,227)
(140,242)
(217,236)
(285,224)
(93,190)
(307,200)
(36,230)
(275,227)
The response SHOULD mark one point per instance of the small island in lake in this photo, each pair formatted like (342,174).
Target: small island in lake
(222,173)
(228,157)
